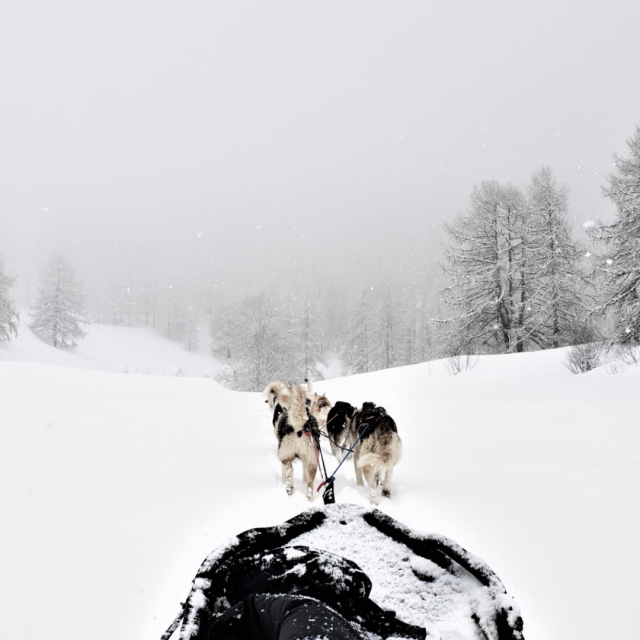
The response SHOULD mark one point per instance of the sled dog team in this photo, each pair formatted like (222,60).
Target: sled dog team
(300,416)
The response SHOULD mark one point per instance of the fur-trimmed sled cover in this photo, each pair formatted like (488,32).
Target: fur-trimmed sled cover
(419,582)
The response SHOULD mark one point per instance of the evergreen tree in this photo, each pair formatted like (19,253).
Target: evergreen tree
(311,348)
(8,315)
(407,326)
(486,263)
(620,262)
(261,340)
(517,281)
(556,308)
(389,328)
(59,310)
(359,351)
(183,314)
(382,332)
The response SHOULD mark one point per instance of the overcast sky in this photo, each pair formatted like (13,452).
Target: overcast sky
(250,136)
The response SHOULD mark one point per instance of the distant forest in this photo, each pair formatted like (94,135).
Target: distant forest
(512,278)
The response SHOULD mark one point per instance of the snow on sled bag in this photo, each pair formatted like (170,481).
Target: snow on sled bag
(343,572)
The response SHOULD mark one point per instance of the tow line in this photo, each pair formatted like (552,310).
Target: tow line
(329,496)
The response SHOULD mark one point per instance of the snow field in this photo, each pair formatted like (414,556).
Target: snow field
(139,350)
(114,488)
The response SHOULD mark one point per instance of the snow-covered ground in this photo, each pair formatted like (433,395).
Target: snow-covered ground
(109,348)
(113,488)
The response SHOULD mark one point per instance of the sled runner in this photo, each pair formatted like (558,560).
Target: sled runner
(344,572)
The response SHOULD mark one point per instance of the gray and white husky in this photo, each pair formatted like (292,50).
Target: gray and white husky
(297,432)
(379,449)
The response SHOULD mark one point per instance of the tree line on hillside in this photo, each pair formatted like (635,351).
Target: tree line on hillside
(513,279)
(291,336)
(516,280)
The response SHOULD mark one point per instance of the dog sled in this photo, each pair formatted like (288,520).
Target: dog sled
(342,572)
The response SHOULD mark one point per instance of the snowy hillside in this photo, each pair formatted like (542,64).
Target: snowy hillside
(115,487)
(111,348)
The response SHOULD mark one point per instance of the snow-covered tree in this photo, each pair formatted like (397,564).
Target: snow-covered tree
(181,315)
(259,341)
(388,329)
(620,261)
(382,330)
(413,329)
(58,313)
(516,276)
(555,312)
(486,264)
(310,337)
(8,315)
(359,351)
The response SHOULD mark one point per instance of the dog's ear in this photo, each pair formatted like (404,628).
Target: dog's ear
(368,406)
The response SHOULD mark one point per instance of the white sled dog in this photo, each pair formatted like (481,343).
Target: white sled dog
(297,431)
(319,406)
(378,451)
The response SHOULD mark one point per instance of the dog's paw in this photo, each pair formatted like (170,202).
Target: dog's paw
(310,495)
(290,491)
(386,493)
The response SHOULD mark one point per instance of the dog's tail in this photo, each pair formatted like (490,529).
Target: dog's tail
(274,392)
(384,461)
(309,385)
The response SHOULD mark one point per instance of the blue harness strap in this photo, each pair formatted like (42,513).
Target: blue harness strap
(330,479)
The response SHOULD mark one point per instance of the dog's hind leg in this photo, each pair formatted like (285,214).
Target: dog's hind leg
(370,476)
(287,476)
(310,469)
(356,457)
(386,489)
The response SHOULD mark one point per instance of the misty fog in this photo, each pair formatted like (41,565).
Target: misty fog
(246,146)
